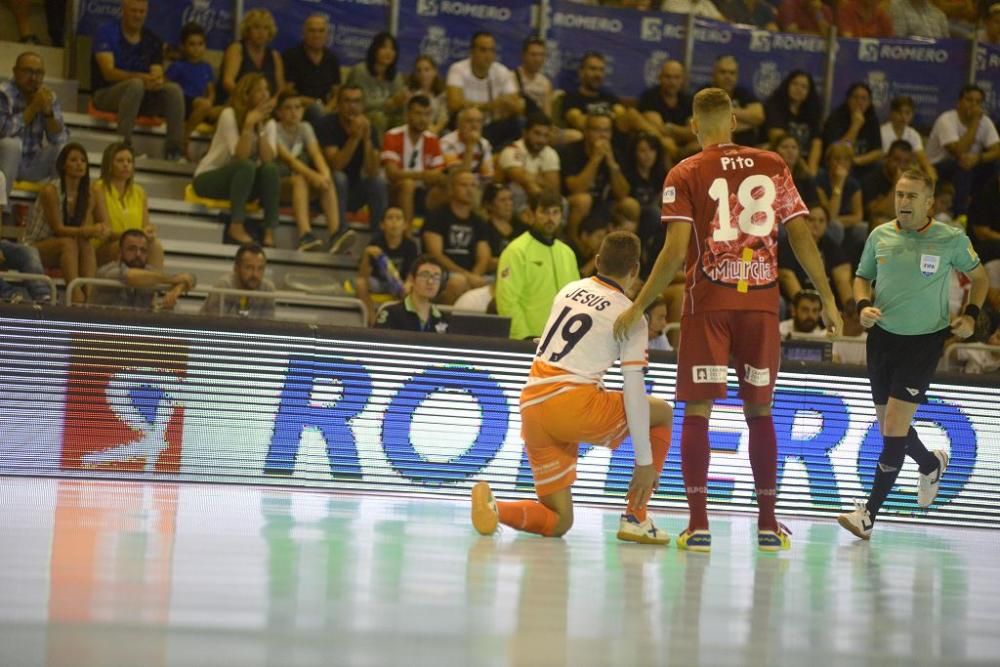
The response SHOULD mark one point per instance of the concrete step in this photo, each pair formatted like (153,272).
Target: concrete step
(10,48)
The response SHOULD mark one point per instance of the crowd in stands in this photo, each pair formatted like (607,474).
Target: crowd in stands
(483,186)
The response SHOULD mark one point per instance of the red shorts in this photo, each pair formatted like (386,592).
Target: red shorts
(710,340)
(553,430)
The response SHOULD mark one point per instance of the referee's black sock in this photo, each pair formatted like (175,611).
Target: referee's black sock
(886,471)
(915,450)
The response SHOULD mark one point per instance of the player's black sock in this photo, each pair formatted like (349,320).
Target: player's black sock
(915,450)
(886,471)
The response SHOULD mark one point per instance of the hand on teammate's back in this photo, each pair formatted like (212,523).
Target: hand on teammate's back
(625,322)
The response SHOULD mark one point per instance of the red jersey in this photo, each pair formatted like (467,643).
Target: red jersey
(735,197)
(424,155)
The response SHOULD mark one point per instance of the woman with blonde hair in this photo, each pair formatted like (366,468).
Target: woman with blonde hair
(252,54)
(240,164)
(121,203)
(61,222)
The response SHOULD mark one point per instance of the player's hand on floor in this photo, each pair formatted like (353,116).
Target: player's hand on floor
(869,316)
(625,322)
(963,326)
(642,485)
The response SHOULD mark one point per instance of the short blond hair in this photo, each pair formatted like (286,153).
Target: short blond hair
(919,175)
(256,17)
(712,102)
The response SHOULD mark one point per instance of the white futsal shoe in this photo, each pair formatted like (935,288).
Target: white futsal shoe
(631,529)
(927,485)
(858,521)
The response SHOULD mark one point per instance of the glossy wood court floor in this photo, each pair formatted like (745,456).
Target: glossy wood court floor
(97,573)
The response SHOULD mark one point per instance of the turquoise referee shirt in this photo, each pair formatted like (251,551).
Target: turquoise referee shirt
(911,271)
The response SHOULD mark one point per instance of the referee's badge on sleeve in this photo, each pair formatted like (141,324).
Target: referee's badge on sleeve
(929,264)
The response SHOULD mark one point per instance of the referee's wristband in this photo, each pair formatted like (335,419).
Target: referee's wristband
(972,310)
(864,303)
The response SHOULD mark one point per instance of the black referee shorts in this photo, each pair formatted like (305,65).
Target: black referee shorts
(902,366)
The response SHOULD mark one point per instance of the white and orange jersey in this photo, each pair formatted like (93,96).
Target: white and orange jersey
(578,345)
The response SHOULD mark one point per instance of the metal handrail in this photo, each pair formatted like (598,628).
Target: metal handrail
(284,296)
(953,350)
(17,276)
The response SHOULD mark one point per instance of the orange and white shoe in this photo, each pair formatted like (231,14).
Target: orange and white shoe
(485,517)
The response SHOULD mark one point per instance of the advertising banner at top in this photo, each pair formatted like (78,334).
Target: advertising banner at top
(929,71)
(442,29)
(634,44)
(217,17)
(764,57)
(353,23)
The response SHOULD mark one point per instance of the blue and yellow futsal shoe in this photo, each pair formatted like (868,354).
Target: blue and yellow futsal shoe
(774,540)
(699,541)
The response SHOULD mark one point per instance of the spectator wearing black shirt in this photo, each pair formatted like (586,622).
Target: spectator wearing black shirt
(757,13)
(877,188)
(854,122)
(593,180)
(252,53)
(386,261)
(793,278)
(787,147)
(840,193)
(747,108)
(350,146)
(668,108)
(646,169)
(592,98)
(312,69)
(984,228)
(795,108)
(502,227)
(128,76)
(456,237)
(417,312)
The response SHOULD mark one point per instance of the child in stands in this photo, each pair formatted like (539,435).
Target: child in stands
(304,171)
(388,257)
(196,79)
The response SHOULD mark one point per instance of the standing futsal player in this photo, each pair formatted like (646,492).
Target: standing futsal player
(564,403)
(910,261)
(723,207)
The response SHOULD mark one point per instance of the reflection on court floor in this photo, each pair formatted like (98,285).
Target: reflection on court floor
(117,573)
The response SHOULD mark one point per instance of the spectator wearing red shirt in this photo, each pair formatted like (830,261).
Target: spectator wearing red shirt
(412,157)
(863,18)
(809,17)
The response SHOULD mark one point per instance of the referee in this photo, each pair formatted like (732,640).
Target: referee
(910,260)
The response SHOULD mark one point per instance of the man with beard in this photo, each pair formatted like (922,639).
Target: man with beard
(534,267)
(411,155)
(723,208)
(530,165)
(248,274)
(140,282)
(806,311)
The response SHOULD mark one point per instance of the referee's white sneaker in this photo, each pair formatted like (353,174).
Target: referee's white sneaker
(927,485)
(859,521)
